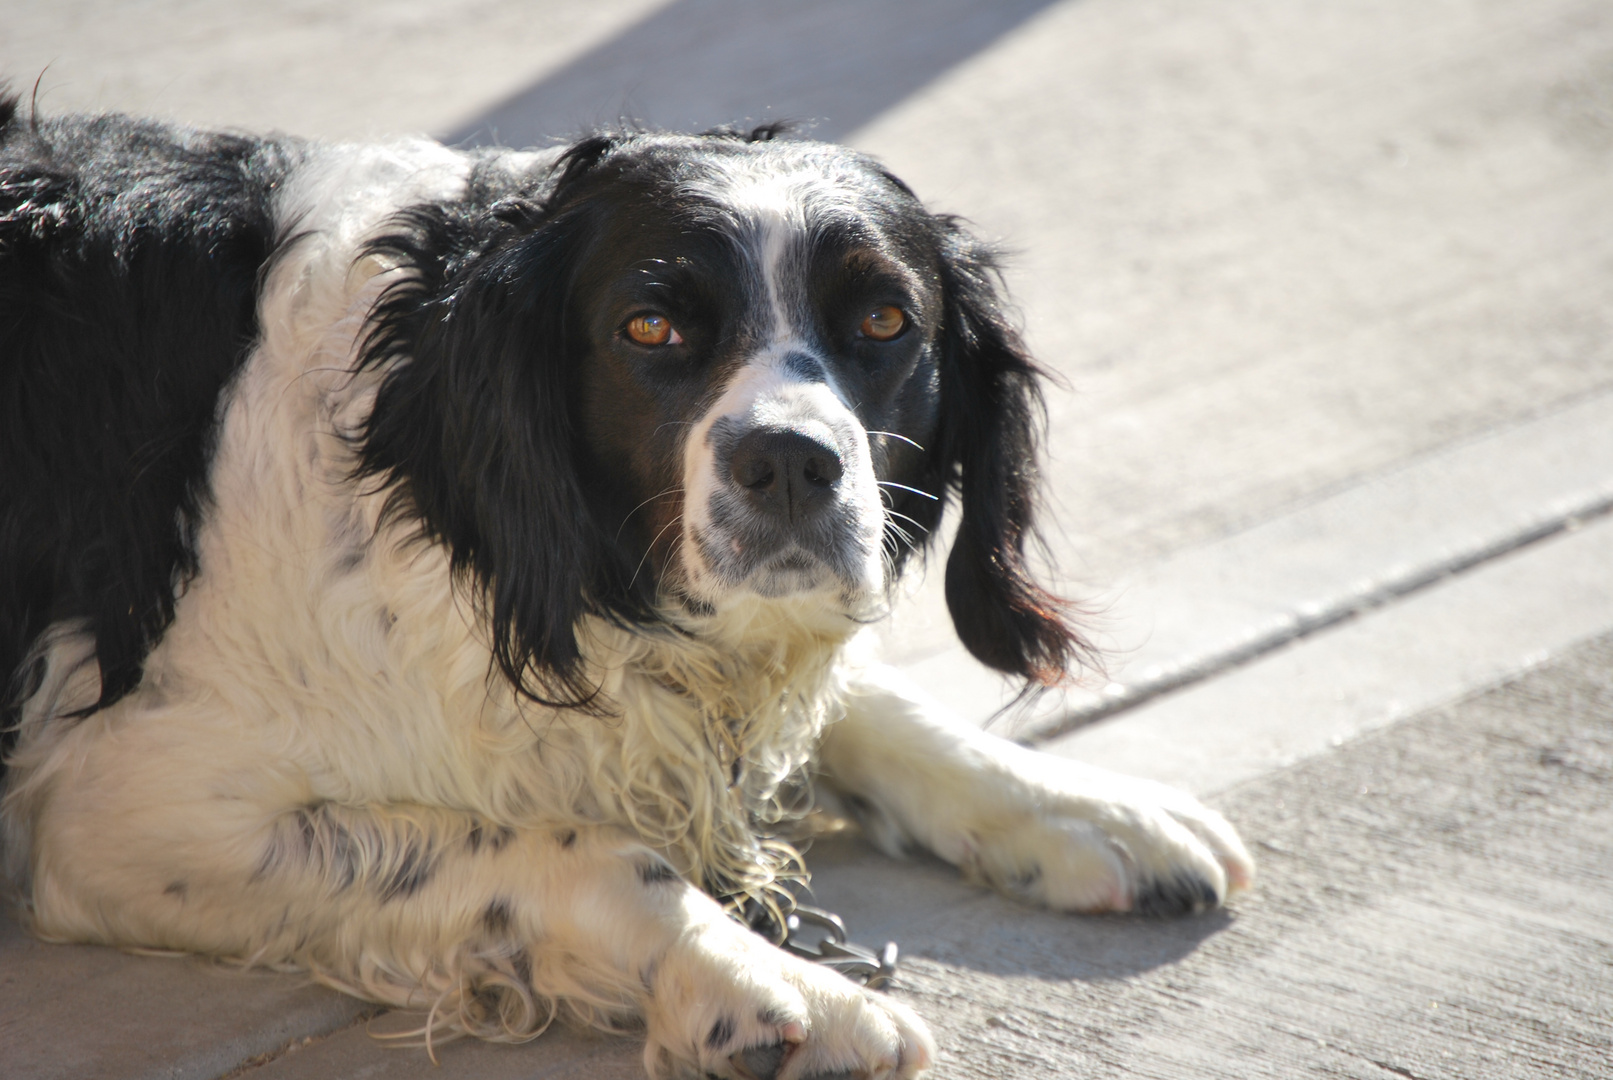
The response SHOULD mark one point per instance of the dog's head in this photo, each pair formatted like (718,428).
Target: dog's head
(681,373)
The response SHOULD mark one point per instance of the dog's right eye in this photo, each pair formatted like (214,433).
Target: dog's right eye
(884,323)
(653,330)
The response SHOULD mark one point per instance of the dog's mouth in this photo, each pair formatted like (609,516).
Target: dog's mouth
(790,572)
(777,566)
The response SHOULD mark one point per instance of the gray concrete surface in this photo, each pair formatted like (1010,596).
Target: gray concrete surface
(1295,702)
(77,1012)
(1329,285)
(691,65)
(355,69)
(1443,513)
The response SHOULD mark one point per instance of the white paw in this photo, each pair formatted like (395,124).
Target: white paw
(1089,840)
(725,1003)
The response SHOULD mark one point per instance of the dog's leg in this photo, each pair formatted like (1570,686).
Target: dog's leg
(1046,829)
(415,905)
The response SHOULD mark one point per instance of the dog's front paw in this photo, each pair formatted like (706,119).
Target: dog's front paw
(725,1003)
(1088,840)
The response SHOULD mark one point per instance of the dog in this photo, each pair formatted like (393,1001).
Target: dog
(448,571)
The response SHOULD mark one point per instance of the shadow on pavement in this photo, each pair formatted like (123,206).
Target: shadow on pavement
(697,64)
(930,912)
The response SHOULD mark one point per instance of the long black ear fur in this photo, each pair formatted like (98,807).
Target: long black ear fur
(991,418)
(474,426)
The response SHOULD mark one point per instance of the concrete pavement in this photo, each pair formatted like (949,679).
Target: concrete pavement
(1329,285)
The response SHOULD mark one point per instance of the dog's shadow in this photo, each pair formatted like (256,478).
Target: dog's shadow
(930,912)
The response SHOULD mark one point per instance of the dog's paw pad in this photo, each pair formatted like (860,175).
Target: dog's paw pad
(761,1062)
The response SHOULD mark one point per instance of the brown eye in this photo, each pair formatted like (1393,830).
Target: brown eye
(884,323)
(653,330)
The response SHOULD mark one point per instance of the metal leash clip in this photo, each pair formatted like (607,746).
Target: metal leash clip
(830,948)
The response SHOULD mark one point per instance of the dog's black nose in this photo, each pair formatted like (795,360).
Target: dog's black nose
(785,472)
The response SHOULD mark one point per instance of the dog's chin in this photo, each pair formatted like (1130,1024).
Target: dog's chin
(790,574)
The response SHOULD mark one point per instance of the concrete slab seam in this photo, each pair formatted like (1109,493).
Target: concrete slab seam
(298,1043)
(1304,621)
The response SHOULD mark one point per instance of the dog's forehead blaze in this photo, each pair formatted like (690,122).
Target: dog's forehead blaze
(775,202)
(777,176)
(778,191)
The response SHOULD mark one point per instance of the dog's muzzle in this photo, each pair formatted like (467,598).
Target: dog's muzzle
(788,510)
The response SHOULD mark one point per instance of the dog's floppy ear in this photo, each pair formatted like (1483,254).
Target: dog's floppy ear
(473,423)
(991,419)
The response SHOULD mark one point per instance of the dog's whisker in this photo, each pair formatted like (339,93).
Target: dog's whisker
(650,548)
(903,438)
(904,487)
(660,495)
(917,525)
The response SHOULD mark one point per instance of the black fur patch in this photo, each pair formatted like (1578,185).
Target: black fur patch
(721,1032)
(566,837)
(522,963)
(339,846)
(277,853)
(656,871)
(498,917)
(330,847)
(413,869)
(494,839)
(130,255)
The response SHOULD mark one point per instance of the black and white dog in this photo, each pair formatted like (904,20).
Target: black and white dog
(443,571)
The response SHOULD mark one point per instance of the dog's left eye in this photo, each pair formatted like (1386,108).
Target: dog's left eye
(884,323)
(653,330)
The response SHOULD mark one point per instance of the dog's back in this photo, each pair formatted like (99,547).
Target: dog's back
(129,259)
